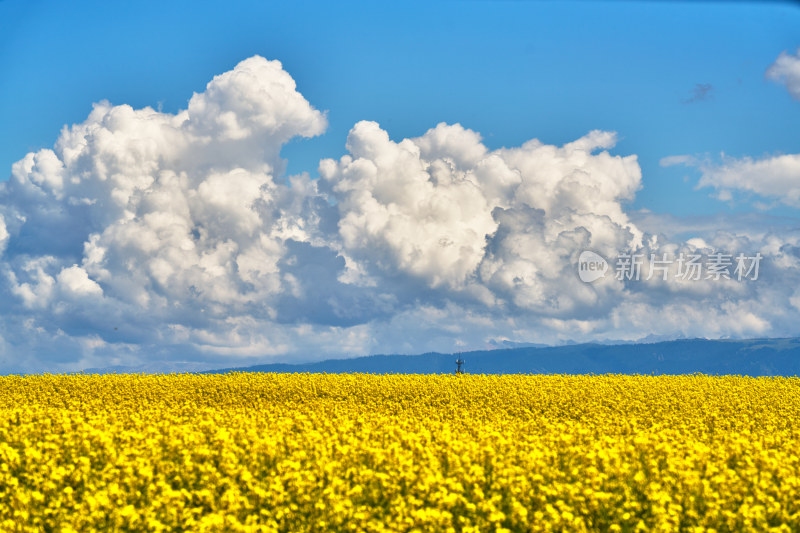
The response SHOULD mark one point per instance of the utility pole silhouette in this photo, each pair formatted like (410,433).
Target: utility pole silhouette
(459,363)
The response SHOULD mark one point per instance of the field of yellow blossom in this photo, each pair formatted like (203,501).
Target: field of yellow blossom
(356,452)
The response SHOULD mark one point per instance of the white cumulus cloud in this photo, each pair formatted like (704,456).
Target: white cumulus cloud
(144,236)
(786,70)
(776,177)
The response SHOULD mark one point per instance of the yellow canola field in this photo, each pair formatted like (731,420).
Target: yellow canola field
(357,452)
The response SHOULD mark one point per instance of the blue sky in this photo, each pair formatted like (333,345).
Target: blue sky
(697,80)
(509,70)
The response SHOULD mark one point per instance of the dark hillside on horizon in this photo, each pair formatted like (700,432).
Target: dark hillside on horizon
(754,357)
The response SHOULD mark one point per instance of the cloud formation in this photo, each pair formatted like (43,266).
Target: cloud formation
(775,178)
(145,236)
(786,70)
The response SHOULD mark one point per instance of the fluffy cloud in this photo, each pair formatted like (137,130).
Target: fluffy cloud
(786,70)
(150,225)
(405,213)
(775,178)
(145,236)
(498,227)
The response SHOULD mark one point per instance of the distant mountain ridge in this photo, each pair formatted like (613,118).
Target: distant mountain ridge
(752,357)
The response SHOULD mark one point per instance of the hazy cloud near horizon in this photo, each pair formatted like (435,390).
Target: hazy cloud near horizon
(147,236)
